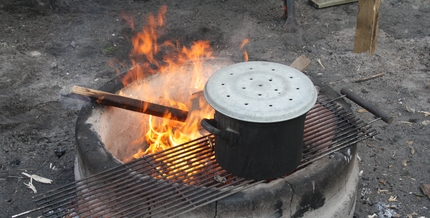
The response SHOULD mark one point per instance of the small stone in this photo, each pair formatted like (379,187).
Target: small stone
(54,65)
(59,152)
(35,53)
(425,188)
(15,162)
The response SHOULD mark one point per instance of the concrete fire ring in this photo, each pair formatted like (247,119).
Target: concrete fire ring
(325,188)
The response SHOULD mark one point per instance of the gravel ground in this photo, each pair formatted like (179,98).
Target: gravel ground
(46,46)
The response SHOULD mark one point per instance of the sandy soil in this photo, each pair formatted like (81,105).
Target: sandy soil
(48,45)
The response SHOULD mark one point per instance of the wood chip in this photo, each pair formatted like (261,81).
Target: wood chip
(426,113)
(301,63)
(220,179)
(38,178)
(362,110)
(410,143)
(31,186)
(425,188)
(406,122)
(405,163)
(412,149)
(425,122)
(408,108)
(392,198)
(383,191)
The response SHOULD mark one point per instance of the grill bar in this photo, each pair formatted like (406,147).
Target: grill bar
(185,177)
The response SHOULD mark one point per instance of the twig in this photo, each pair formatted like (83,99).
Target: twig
(30,185)
(319,61)
(426,113)
(18,177)
(369,78)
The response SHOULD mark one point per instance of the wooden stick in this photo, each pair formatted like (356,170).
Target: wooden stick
(109,99)
(369,78)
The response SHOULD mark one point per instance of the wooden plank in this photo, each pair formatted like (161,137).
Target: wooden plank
(329,3)
(367,26)
(301,63)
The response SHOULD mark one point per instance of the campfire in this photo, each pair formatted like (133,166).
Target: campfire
(170,74)
(141,165)
(176,72)
(182,178)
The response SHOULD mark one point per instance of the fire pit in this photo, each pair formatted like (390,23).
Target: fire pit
(323,186)
(185,180)
(131,164)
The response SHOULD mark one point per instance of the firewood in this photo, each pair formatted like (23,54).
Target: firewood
(109,99)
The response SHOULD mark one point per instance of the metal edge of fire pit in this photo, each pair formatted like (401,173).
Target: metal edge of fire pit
(88,143)
(298,195)
(323,192)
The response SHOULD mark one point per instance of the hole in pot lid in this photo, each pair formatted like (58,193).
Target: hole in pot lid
(276,92)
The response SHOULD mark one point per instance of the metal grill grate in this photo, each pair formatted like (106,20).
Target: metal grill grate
(185,177)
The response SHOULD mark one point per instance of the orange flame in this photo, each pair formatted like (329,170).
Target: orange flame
(175,72)
(245,54)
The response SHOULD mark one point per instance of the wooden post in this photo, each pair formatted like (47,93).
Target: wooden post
(367,26)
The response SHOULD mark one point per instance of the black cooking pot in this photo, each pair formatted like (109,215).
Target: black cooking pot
(260,109)
(257,150)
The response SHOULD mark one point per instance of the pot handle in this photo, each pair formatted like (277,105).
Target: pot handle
(230,136)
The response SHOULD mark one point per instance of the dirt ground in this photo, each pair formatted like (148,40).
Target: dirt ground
(46,46)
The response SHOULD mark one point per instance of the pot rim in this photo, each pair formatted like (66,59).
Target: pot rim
(259,91)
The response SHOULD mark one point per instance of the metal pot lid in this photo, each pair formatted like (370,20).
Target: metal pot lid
(261,92)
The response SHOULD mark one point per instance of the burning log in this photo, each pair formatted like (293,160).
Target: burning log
(109,99)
